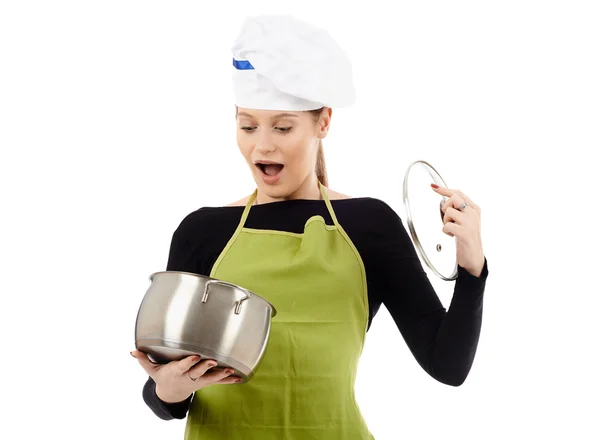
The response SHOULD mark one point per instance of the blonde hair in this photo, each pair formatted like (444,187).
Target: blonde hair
(320,167)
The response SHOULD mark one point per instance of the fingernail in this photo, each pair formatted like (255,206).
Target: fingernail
(229,372)
(433,185)
(212,364)
(238,380)
(196,358)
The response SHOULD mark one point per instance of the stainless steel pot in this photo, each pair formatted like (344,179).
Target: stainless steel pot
(184,314)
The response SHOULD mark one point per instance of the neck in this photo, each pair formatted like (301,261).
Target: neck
(309,190)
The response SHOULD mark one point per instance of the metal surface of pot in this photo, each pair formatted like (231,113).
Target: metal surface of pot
(184,314)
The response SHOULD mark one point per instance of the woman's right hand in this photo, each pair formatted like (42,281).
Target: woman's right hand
(175,380)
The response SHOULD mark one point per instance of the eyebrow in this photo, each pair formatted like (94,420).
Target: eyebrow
(278,115)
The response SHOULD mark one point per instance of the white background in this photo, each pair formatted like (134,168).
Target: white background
(117,120)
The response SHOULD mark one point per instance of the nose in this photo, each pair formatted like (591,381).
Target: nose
(264,142)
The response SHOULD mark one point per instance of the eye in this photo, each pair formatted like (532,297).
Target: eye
(248,129)
(283,129)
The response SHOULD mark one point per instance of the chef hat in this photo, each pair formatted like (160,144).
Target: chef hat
(282,63)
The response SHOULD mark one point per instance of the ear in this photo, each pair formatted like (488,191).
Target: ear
(324,122)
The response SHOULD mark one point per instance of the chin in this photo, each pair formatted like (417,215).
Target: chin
(277,191)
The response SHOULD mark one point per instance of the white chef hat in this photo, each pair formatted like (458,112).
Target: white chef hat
(283,63)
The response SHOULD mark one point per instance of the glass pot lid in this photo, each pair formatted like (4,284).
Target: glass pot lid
(425,220)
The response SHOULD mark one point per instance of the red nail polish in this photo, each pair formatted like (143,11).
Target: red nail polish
(433,185)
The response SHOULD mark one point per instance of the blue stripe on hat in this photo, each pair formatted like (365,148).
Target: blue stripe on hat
(242,65)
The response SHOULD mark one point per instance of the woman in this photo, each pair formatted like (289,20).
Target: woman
(325,260)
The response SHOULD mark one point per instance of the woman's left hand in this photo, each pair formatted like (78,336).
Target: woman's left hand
(465,225)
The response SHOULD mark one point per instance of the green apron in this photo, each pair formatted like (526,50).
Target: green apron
(304,387)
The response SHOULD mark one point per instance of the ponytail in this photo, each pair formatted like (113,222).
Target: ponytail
(320,168)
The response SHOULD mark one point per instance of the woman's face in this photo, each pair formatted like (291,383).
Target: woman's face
(281,149)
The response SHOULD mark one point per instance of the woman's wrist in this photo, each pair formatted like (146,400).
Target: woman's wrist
(169,398)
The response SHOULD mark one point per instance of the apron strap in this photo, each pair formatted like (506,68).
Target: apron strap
(328,203)
(247,209)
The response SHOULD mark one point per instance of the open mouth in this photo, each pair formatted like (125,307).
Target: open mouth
(269,168)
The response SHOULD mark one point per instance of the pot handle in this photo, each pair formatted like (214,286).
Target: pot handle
(238,304)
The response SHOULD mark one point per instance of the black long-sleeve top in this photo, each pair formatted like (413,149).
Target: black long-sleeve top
(442,341)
